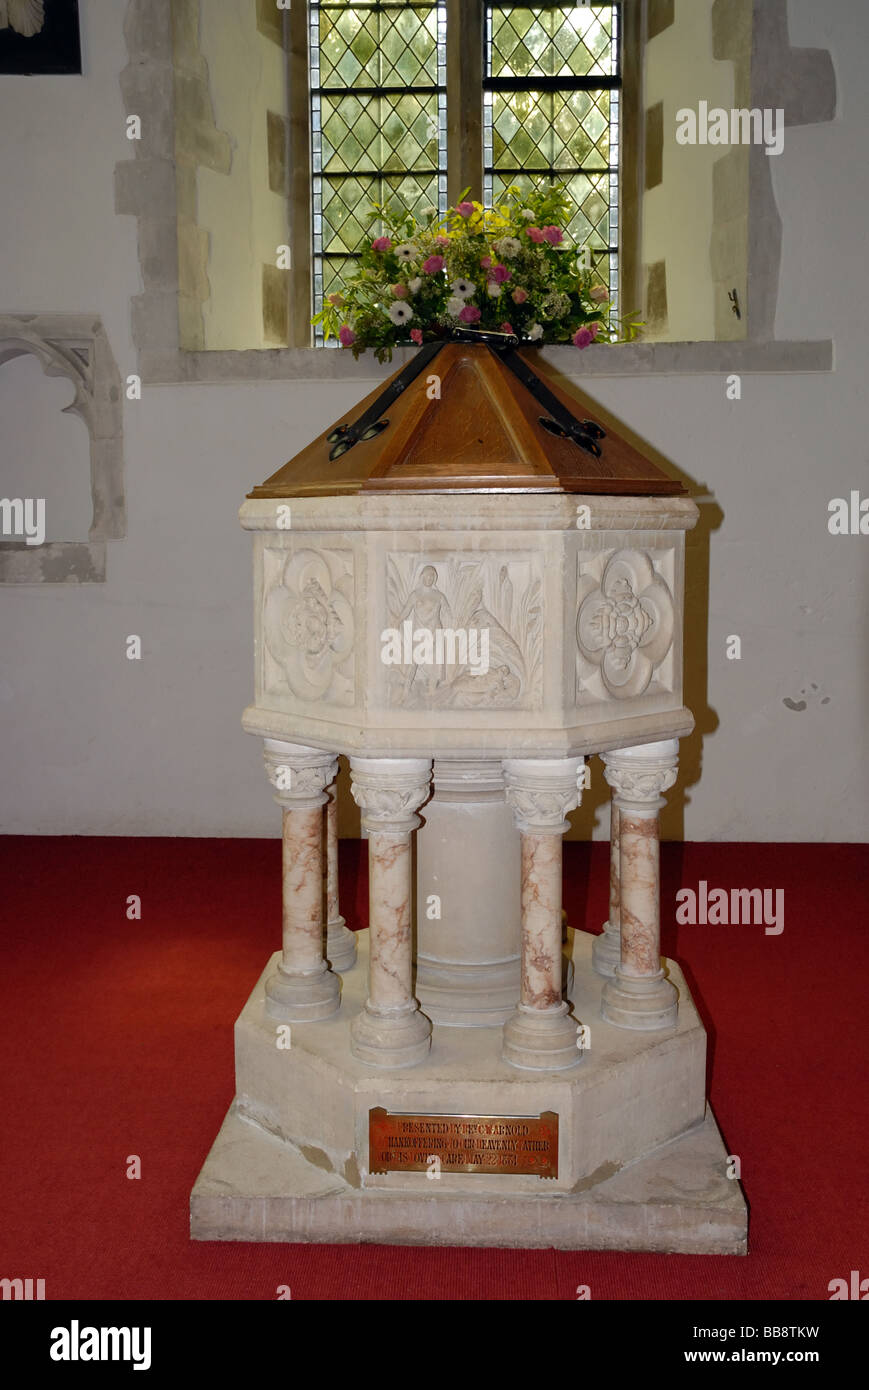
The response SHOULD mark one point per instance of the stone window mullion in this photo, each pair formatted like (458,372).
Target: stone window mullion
(296,43)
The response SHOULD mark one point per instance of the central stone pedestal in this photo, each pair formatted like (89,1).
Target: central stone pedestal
(640,1162)
(468,922)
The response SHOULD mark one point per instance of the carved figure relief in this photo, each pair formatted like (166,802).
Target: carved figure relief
(463,634)
(625,622)
(308,624)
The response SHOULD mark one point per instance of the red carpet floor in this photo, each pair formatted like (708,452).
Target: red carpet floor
(117,1040)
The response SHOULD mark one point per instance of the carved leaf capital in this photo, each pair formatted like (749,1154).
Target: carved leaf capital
(299,779)
(541,809)
(389,802)
(640,784)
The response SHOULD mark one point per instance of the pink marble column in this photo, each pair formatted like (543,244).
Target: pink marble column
(303,988)
(541,1035)
(606,950)
(340,941)
(390,1031)
(639,995)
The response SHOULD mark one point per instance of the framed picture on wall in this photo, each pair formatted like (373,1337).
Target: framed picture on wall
(39,36)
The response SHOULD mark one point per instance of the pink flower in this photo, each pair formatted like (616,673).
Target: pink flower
(442,240)
(584,336)
(470,314)
(400,291)
(486,262)
(346,336)
(535,234)
(519,295)
(381,243)
(336,299)
(553,234)
(465,209)
(416,335)
(506,328)
(433,265)
(599,294)
(500,274)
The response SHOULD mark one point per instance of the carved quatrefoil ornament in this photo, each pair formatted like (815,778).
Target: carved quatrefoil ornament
(308,625)
(625,624)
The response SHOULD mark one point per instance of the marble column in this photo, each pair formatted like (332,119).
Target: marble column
(303,988)
(541,1035)
(390,1031)
(606,950)
(340,940)
(639,995)
(467,915)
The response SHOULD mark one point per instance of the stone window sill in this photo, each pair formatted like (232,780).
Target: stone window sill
(631,359)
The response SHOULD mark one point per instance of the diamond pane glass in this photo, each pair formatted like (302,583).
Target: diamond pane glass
(378,121)
(550,130)
(553,41)
(376,45)
(548,118)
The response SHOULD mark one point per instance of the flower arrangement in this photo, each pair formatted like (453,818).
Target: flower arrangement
(509,269)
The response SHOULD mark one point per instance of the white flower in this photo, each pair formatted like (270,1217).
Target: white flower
(463,289)
(508,247)
(406,251)
(493,289)
(554,305)
(455,305)
(414,284)
(400,312)
(528,214)
(535,332)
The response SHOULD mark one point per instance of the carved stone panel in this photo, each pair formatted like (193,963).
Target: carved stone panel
(463,632)
(308,625)
(625,625)
(74,346)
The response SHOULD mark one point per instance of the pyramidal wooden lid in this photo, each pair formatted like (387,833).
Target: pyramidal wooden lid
(478,426)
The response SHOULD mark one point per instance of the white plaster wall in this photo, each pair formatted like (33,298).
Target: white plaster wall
(246,222)
(94,744)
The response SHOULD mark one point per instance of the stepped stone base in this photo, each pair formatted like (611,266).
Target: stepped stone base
(641,1163)
(677,1199)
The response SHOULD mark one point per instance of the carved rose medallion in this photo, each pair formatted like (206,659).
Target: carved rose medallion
(309,628)
(625,623)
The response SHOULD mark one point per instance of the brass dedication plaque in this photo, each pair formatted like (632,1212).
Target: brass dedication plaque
(463,1143)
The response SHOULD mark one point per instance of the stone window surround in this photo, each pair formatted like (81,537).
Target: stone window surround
(74,346)
(800,80)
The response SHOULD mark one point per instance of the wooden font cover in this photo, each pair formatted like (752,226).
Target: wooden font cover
(479,428)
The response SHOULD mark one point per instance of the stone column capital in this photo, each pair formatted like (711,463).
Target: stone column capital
(541,792)
(639,776)
(299,774)
(389,792)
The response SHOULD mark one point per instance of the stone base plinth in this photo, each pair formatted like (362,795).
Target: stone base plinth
(629,1091)
(677,1200)
(641,1164)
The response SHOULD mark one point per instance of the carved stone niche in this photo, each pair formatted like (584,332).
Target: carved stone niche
(74,346)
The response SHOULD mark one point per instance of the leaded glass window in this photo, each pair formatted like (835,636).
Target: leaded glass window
(378,122)
(551,83)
